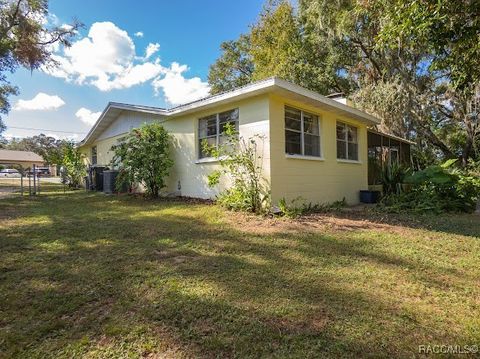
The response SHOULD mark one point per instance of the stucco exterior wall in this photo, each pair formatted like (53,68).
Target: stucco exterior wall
(191,173)
(315,180)
(112,134)
(188,176)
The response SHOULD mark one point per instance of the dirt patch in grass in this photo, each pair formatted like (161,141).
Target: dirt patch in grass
(357,219)
(313,223)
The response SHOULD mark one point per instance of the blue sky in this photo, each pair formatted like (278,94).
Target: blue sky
(144,52)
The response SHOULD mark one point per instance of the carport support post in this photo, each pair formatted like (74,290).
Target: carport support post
(29,185)
(21,184)
(34,180)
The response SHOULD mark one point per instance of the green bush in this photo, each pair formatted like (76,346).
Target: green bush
(290,210)
(144,157)
(240,160)
(392,177)
(438,188)
(74,168)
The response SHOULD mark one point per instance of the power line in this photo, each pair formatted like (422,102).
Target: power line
(45,129)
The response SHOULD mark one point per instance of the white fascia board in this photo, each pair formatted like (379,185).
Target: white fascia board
(253,89)
(120,106)
(359,115)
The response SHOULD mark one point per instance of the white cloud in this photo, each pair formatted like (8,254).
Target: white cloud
(61,136)
(138,34)
(132,76)
(177,88)
(106,50)
(106,58)
(151,49)
(41,102)
(87,116)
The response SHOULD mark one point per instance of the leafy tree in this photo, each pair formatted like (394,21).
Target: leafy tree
(25,41)
(448,29)
(50,148)
(412,64)
(275,46)
(73,165)
(402,68)
(234,68)
(144,157)
(280,49)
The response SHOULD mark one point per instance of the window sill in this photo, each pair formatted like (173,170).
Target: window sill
(355,162)
(308,158)
(210,159)
(207,160)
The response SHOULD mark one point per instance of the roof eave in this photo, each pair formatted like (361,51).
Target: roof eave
(325,101)
(250,90)
(123,107)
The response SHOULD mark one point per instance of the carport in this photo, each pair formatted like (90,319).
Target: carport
(24,159)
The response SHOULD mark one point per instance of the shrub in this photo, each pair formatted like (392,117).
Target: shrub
(438,188)
(240,159)
(124,181)
(290,210)
(392,177)
(144,157)
(74,168)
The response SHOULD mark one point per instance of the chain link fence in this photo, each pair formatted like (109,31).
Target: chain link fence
(27,184)
(23,185)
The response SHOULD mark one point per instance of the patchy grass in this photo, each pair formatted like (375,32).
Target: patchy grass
(88,275)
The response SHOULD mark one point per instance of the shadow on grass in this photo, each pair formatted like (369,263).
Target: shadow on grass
(454,223)
(113,276)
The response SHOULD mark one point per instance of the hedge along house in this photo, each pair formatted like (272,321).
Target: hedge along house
(314,147)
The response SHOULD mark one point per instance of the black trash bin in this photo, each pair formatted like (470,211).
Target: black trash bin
(95,177)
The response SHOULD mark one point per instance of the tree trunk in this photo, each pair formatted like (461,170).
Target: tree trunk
(467,150)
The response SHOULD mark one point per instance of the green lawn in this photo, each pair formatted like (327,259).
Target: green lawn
(88,275)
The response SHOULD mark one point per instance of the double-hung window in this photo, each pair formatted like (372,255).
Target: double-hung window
(211,129)
(347,142)
(94,155)
(302,133)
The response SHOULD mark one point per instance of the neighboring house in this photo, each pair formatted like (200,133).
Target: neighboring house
(25,159)
(315,147)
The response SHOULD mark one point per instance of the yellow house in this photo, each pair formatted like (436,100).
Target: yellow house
(314,147)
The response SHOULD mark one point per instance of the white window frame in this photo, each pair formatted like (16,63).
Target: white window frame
(217,131)
(302,133)
(347,142)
